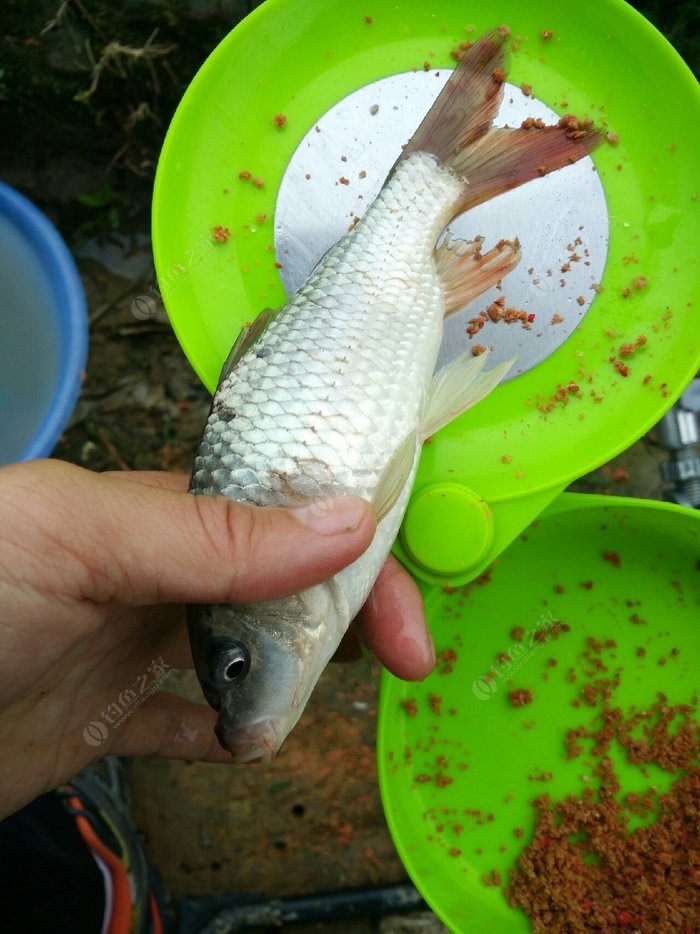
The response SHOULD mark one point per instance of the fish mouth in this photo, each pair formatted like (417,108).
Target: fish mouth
(255,742)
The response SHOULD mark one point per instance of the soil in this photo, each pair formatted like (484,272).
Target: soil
(312,821)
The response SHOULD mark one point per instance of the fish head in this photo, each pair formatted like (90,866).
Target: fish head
(254,672)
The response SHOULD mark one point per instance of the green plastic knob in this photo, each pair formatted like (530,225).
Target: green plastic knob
(448,528)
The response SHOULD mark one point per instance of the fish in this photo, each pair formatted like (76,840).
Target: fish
(335,392)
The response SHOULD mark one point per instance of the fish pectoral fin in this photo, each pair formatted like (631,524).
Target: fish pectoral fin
(395,477)
(371,663)
(465,272)
(249,335)
(457,387)
(368,657)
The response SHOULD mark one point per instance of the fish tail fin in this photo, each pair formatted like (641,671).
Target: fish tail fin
(458,130)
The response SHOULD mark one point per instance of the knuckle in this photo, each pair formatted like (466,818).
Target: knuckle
(232,535)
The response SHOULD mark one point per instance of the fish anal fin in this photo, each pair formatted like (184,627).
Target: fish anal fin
(465,272)
(395,476)
(459,386)
(248,336)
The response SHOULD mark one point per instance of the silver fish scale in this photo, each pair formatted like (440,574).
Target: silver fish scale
(339,378)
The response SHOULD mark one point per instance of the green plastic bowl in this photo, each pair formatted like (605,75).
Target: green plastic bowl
(496,467)
(610,568)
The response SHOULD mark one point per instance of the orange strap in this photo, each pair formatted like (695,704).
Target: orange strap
(155,914)
(121,917)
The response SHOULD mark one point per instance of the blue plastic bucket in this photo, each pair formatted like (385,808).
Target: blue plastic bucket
(43,330)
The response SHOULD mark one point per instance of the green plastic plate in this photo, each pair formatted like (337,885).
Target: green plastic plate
(497,466)
(454,749)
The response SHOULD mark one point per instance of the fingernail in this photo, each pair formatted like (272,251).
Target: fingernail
(430,654)
(424,652)
(333,516)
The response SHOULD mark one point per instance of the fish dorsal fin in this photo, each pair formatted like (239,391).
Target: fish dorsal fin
(248,336)
(395,476)
(457,387)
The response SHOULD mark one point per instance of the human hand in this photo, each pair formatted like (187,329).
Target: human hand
(95,571)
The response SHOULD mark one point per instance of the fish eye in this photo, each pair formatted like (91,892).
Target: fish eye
(234,665)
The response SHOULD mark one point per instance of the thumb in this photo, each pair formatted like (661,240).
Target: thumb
(145,544)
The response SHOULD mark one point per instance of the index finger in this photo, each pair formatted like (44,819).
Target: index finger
(392,624)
